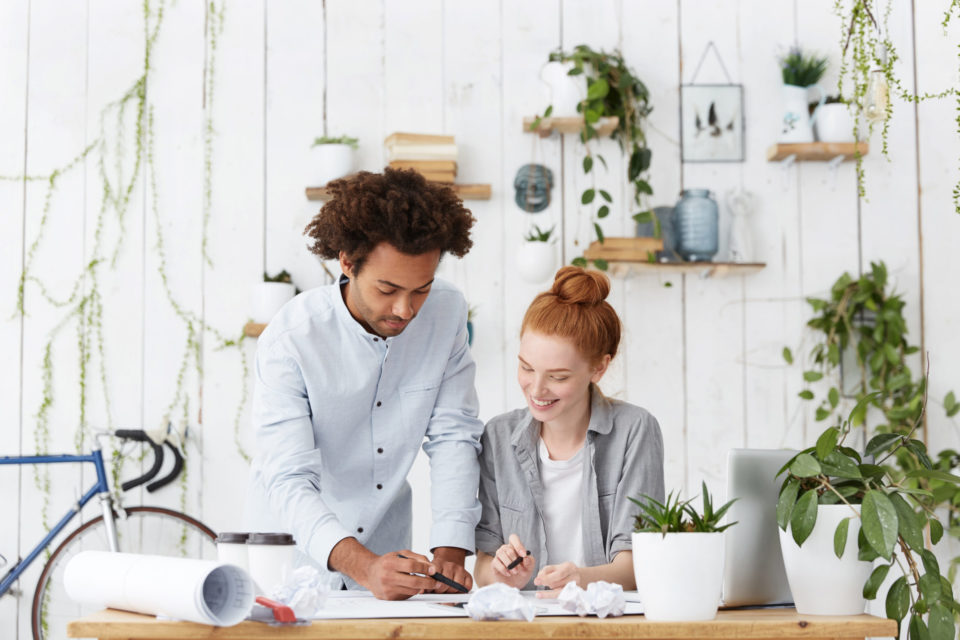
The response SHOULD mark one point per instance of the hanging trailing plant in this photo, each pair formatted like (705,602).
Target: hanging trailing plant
(613,90)
(861,330)
(867,67)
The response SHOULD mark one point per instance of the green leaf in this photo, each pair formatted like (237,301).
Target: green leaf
(592,116)
(840,537)
(822,414)
(874,581)
(880,442)
(864,551)
(643,217)
(804,517)
(838,465)
(645,155)
(596,227)
(893,357)
(898,599)
(879,522)
(941,623)
(930,564)
(827,441)
(930,586)
(788,497)
(936,531)
(587,164)
(933,474)
(951,405)
(601,264)
(918,630)
(588,196)
(788,355)
(579,261)
(548,112)
(909,523)
(833,396)
(806,394)
(812,376)
(606,196)
(643,186)
(598,89)
(805,466)
(603,212)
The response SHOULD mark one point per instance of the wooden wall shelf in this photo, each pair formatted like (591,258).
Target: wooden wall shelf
(569,125)
(254,329)
(702,269)
(465,191)
(817,151)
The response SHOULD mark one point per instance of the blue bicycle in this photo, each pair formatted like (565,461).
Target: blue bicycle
(150,530)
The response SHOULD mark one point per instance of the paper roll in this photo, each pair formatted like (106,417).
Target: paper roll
(182,588)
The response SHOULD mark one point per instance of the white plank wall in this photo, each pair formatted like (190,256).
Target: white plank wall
(702,355)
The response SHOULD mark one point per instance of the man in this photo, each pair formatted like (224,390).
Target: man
(350,379)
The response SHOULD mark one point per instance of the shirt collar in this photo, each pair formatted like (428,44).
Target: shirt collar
(527,431)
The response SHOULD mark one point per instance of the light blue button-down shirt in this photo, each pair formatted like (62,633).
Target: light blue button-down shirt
(339,415)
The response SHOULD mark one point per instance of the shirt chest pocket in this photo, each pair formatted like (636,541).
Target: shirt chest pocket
(417,402)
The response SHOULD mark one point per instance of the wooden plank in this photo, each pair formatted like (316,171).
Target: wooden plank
(564,125)
(465,191)
(817,151)
(702,270)
(755,625)
(625,249)
(254,329)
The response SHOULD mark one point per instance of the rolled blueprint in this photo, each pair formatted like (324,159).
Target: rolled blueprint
(196,590)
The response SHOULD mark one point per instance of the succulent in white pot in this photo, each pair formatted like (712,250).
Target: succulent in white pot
(335,157)
(537,257)
(678,557)
(268,296)
(834,122)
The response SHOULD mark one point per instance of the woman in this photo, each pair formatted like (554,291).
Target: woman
(555,476)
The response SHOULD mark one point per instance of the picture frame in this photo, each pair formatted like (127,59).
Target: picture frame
(711,123)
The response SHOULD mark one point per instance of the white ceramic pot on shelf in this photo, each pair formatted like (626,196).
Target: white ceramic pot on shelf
(834,123)
(822,583)
(797,123)
(679,576)
(566,91)
(334,161)
(266,298)
(537,261)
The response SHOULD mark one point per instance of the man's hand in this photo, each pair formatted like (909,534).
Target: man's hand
(388,577)
(519,576)
(449,561)
(555,577)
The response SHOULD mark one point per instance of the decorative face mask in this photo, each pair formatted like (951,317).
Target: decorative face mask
(533,184)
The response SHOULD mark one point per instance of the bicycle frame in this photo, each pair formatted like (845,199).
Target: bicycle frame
(100,489)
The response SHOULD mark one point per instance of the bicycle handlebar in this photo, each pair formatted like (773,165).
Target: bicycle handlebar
(138,435)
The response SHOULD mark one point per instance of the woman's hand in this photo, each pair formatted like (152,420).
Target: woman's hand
(555,577)
(519,576)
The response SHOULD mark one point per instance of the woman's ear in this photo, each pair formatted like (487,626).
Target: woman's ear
(601,368)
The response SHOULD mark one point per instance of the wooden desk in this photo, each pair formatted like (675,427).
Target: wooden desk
(769,624)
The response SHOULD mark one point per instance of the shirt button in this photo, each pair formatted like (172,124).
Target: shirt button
(379,403)
(379,486)
(359,529)
(376,339)
(379,449)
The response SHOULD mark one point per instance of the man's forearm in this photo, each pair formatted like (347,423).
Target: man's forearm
(351,558)
(450,554)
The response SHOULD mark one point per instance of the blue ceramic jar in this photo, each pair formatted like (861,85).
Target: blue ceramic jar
(695,225)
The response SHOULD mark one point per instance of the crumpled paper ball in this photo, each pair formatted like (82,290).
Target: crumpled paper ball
(304,591)
(498,601)
(600,598)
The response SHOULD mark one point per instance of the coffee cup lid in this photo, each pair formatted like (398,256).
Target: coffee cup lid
(270,538)
(232,537)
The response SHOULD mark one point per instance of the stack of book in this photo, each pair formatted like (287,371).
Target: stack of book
(432,155)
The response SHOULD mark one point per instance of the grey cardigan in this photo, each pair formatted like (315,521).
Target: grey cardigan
(624,458)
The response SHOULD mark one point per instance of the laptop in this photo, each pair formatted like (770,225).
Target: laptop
(753,573)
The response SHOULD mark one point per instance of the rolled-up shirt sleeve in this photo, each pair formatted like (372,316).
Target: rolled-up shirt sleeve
(453,443)
(642,476)
(489,531)
(288,462)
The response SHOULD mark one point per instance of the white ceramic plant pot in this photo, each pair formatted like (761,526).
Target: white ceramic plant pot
(334,161)
(537,261)
(796,126)
(679,576)
(266,298)
(834,123)
(566,91)
(821,583)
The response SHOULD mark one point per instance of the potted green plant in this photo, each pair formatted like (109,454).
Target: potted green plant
(536,259)
(830,486)
(834,122)
(800,73)
(336,157)
(268,296)
(678,557)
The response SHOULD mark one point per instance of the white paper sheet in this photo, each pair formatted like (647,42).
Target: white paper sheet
(196,590)
(342,605)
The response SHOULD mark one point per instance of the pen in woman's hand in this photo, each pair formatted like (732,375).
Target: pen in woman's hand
(517,561)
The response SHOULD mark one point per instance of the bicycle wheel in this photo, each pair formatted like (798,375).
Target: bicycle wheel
(150,530)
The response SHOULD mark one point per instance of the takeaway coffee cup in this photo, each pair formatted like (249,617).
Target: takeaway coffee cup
(232,549)
(270,559)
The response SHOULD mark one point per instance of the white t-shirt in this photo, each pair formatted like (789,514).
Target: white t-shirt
(563,506)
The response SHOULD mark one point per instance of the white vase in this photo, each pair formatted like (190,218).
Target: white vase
(266,298)
(679,576)
(796,126)
(333,161)
(566,91)
(822,583)
(537,261)
(834,123)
